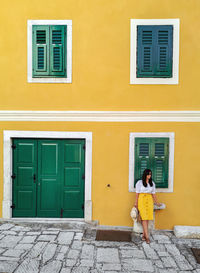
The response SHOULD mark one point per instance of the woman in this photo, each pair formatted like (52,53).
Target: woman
(145,195)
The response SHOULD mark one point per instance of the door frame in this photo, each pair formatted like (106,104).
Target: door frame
(7,165)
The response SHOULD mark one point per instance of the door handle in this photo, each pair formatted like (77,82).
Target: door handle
(34,178)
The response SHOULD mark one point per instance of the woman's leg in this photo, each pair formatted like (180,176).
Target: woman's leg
(145,228)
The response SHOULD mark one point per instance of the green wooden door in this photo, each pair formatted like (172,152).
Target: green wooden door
(50,178)
(24,177)
(73,178)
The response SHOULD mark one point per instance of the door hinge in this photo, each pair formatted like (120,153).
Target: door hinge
(84,147)
(61,212)
(13,146)
(13,176)
(83,176)
(13,206)
(82,206)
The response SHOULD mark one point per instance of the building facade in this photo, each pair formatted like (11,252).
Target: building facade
(92,93)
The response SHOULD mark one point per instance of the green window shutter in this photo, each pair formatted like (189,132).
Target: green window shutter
(152,153)
(154,51)
(142,157)
(40,46)
(58,50)
(160,161)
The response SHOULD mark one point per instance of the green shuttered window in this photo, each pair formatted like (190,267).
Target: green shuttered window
(49,50)
(152,153)
(154,51)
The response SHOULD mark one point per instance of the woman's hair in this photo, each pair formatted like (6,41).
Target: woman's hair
(145,173)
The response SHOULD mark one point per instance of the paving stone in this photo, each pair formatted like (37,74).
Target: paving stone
(8,267)
(168,262)
(2,250)
(28,266)
(132,253)
(65,270)
(6,258)
(80,270)
(138,265)
(13,253)
(158,264)
(70,262)
(28,239)
(65,238)
(78,236)
(150,252)
(77,245)
(73,254)
(159,237)
(51,267)
(112,267)
(60,256)
(33,233)
(9,232)
(168,271)
(88,263)
(20,228)
(47,238)
(64,249)
(87,252)
(157,247)
(49,252)
(24,246)
(51,232)
(172,249)
(163,253)
(10,241)
(37,250)
(184,265)
(6,226)
(108,255)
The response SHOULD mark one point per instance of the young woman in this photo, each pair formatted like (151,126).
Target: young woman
(145,197)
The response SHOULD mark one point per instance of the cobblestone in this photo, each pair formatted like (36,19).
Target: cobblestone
(28,250)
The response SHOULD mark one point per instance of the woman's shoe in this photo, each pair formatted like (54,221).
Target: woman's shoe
(143,238)
(147,241)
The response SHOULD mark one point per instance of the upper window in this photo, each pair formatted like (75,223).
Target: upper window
(154,51)
(49,51)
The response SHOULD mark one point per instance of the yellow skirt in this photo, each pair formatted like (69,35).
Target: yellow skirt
(145,206)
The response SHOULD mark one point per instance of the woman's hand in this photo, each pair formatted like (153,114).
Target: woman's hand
(136,205)
(158,204)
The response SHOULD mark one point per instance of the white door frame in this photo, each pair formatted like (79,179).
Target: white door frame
(7,165)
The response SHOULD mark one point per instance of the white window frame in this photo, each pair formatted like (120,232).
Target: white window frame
(169,135)
(133,51)
(68,23)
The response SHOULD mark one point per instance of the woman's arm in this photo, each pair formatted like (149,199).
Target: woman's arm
(155,200)
(136,200)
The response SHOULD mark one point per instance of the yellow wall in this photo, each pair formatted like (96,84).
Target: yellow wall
(101,56)
(100,81)
(110,161)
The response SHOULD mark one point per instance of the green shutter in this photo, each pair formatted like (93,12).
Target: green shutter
(154,51)
(152,153)
(57,50)
(40,45)
(142,157)
(160,162)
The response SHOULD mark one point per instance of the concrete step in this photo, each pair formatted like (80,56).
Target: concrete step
(37,223)
(187,232)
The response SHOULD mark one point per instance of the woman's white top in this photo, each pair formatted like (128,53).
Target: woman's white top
(139,188)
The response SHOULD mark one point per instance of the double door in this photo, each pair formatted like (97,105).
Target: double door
(48,178)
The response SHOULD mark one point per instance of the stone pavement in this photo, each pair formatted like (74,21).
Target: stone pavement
(25,249)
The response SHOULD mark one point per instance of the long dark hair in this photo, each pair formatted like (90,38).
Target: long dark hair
(145,173)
